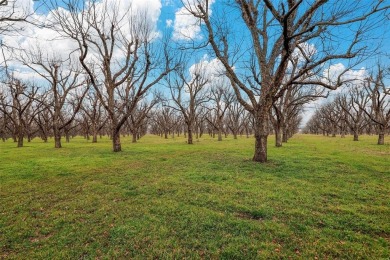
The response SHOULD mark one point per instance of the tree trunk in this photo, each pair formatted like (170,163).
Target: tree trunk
(219,134)
(116,140)
(381,138)
(260,148)
(278,136)
(20,139)
(355,136)
(94,137)
(189,140)
(57,140)
(285,135)
(334,131)
(261,136)
(134,140)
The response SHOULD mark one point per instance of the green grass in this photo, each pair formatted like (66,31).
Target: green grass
(317,197)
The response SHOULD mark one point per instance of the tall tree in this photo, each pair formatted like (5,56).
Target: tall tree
(379,108)
(120,53)
(188,93)
(139,117)
(21,97)
(65,79)
(276,33)
(222,97)
(94,111)
(352,104)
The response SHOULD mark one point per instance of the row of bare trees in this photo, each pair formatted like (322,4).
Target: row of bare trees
(274,60)
(288,42)
(27,111)
(364,108)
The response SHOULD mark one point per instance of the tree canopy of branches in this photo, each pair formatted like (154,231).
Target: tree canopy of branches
(276,34)
(188,93)
(119,52)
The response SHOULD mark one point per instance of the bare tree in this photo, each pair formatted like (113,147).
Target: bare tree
(352,104)
(235,117)
(44,123)
(94,111)
(188,94)
(20,100)
(139,117)
(120,53)
(276,34)
(289,106)
(222,97)
(65,79)
(379,108)
(165,119)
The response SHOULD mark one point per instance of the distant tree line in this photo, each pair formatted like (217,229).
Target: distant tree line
(28,112)
(363,109)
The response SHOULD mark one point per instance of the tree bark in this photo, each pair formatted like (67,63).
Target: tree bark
(355,136)
(94,137)
(20,138)
(116,140)
(381,138)
(285,135)
(261,136)
(134,140)
(189,141)
(334,131)
(278,136)
(219,135)
(260,148)
(57,140)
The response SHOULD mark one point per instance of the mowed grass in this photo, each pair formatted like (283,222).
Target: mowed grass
(317,197)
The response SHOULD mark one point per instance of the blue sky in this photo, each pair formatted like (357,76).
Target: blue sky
(171,18)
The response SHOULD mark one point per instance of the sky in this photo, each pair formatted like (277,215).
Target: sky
(171,19)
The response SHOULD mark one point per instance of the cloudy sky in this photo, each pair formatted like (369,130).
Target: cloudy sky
(167,17)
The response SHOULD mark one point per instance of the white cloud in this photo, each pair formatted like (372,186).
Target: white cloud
(186,26)
(168,2)
(17,8)
(55,46)
(351,77)
(304,51)
(210,69)
(330,75)
(169,23)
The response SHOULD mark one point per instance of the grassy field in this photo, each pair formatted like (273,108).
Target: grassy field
(318,197)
